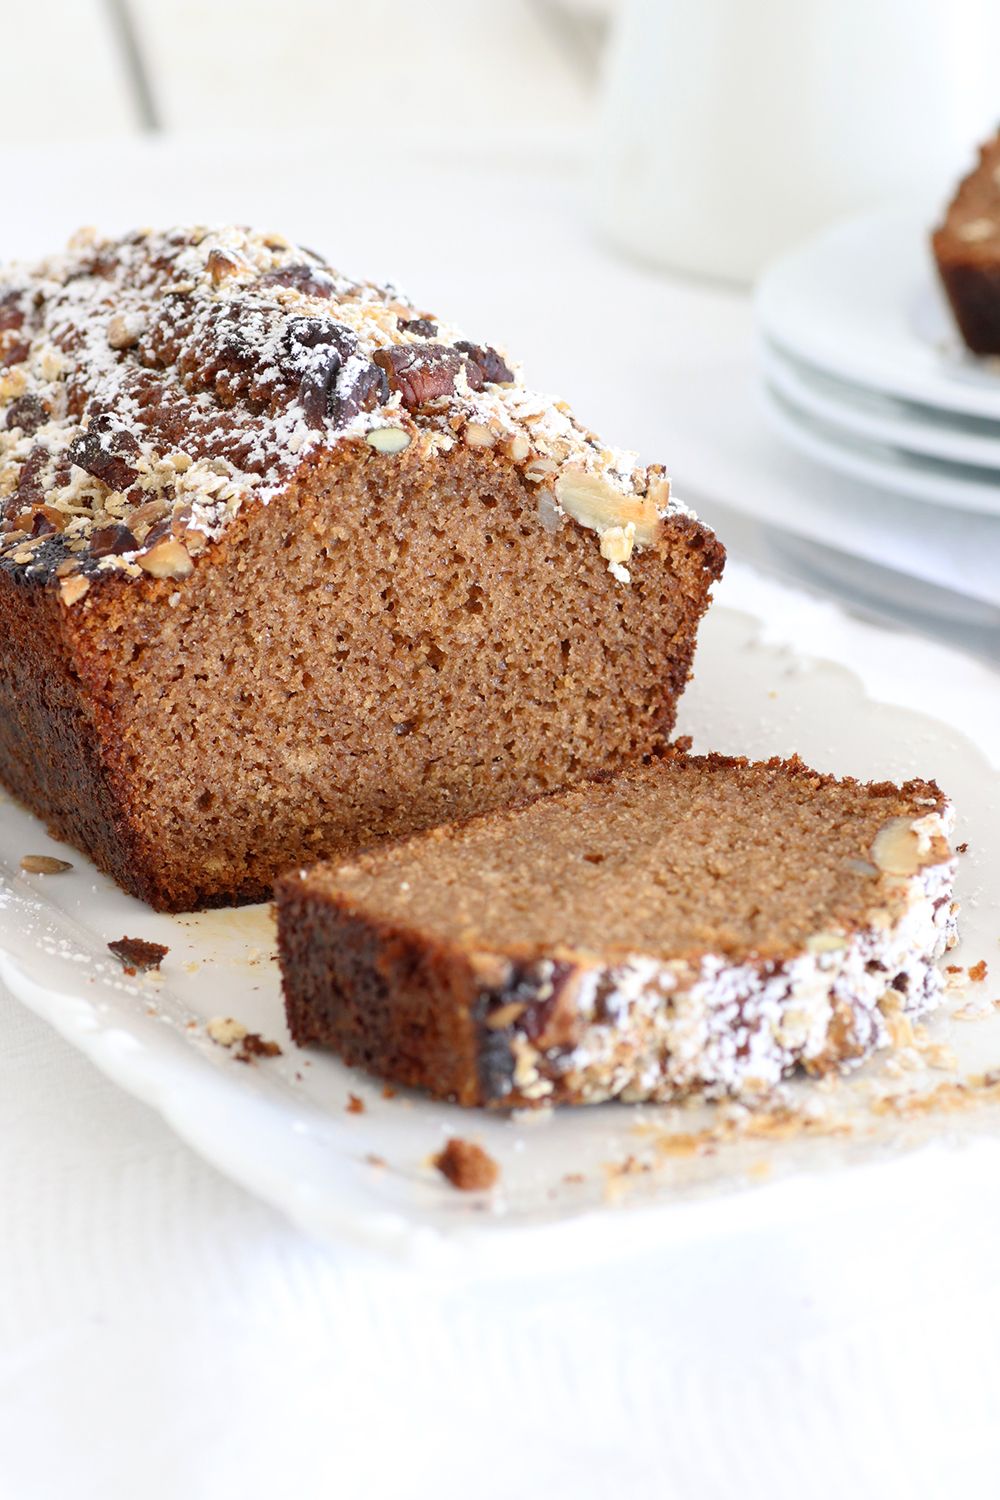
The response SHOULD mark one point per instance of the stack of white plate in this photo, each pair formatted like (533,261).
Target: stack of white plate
(863,369)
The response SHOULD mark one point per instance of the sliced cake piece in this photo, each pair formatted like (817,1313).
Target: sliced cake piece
(967,251)
(695,924)
(288,565)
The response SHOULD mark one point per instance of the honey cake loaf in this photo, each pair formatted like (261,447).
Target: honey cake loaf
(694,925)
(287,565)
(967,251)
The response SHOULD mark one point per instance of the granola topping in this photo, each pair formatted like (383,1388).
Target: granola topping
(153,385)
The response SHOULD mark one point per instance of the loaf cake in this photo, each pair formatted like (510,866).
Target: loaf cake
(287,565)
(967,251)
(693,925)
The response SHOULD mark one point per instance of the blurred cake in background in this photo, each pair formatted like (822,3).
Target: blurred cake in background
(967,251)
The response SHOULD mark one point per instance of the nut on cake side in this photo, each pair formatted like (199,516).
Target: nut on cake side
(434,1003)
(287,565)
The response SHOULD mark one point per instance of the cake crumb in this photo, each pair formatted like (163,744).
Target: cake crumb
(355,1104)
(681,1143)
(137,955)
(940,1056)
(973,1012)
(254,1045)
(466,1166)
(388,1092)
(961,848)
(978,972)
(376,1161)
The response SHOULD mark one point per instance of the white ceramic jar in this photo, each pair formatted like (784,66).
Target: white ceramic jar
(731,128)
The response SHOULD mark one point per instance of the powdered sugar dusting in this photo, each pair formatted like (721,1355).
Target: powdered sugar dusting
(152,386)
(654,1030)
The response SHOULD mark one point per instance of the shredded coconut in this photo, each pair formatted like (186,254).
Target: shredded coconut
(151,386)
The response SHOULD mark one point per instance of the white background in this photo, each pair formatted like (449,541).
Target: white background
(164,1335)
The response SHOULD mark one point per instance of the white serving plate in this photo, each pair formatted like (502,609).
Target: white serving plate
(914,475)
(280,1127)
(860,301)
(866,415)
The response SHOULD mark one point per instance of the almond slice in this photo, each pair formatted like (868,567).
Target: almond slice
(168,559)
(595,503)
(72,589)
(388,439)
(898,849)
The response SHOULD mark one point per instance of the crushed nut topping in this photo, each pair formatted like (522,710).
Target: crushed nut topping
(153,385)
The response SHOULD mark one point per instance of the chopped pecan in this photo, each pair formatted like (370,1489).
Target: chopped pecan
(422,327)
(312,333)
(369,389)
(104,451)
(28,413)
(421,372)
(220,265)
(29,485)
(318,389)
(489,361)
(311,281)
(11,315)
(324,397)
(318,348)
(16,354)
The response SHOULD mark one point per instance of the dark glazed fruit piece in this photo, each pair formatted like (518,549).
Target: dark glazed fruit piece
(104,451)
(488,360)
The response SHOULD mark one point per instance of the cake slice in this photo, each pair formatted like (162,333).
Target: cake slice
(696,924)
(967,251)
(287,565)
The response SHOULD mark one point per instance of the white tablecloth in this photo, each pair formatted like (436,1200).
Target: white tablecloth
(162,1334)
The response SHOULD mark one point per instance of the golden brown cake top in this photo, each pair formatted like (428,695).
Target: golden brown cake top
(151,385)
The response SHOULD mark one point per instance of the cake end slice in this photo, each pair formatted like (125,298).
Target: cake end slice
(967,251)
(693,925)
